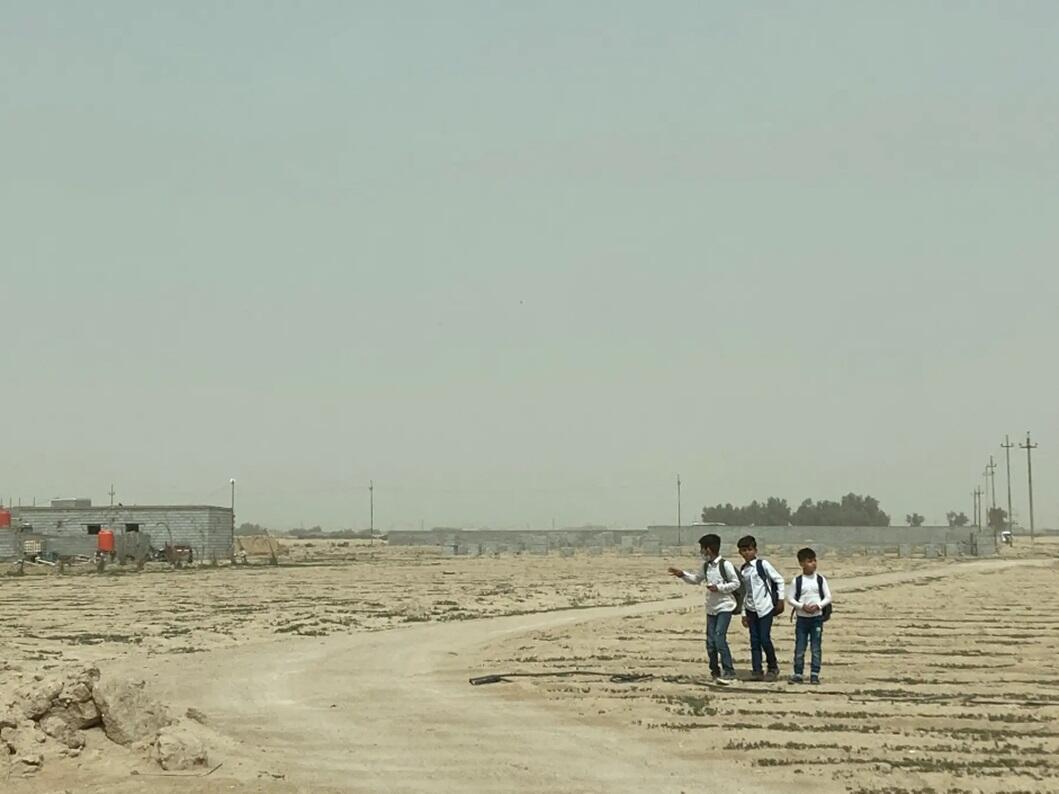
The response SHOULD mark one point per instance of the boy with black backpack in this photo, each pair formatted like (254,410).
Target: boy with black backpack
(723,599)
(811,601)
(764,601)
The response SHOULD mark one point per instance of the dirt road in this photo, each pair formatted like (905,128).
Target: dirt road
(393,711)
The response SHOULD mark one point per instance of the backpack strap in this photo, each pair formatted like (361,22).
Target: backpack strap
(767,581)
(821,585)
(798,587)
(720,569)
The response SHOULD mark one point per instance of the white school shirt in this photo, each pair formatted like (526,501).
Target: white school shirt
(810,595)
(758,596)
(722,600)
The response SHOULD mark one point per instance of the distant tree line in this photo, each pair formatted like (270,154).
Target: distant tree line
(852,511)
(316,532)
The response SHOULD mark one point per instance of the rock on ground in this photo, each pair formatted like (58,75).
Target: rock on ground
(177,747)
(36,697)
(129,714)
(62,731)
(25,743)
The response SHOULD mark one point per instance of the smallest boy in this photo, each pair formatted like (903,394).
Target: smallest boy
(809,595)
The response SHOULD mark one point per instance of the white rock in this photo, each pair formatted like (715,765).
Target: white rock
(178,748)
(129,713)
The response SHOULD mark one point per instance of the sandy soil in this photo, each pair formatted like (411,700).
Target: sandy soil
(346,670)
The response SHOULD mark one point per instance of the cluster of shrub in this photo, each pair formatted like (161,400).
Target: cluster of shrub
(853,510)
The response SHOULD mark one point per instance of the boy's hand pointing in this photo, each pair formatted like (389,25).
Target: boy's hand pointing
(676,572)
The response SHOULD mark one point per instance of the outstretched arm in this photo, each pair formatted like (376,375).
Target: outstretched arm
(687,576)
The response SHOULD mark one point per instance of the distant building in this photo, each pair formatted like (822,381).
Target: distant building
(69,526)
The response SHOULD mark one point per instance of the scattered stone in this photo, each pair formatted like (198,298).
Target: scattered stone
(24,743)
(9,717)
(129,714)
(80,716)
(36,697)
(196,715)
(178,748)
(62,731)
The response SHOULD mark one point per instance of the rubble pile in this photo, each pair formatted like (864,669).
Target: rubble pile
(50,715)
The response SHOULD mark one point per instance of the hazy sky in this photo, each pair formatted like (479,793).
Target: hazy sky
(525,261)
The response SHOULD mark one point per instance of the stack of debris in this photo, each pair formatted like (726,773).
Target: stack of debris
(48,717)
(259,546)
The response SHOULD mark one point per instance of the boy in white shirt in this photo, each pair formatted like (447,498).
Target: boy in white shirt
(722,582)
(810,598)
(763,585)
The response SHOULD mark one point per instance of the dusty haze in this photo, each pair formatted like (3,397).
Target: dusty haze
(517,264)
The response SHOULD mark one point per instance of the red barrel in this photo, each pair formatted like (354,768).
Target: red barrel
(106,540)
(5,519)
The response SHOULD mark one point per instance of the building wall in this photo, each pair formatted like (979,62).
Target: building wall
(207,529)
(8,547)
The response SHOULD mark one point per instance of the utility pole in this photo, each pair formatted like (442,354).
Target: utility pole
(371,508)
(1028,446)
(991,468)
(1007,445)
(111,492)
(978,506)
(231,549)
(679,524)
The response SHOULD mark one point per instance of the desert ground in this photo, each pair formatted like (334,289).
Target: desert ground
(345,668)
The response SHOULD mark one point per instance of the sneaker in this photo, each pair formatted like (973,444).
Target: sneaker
(814,679)
(795,679)
(772,675)
(757,676)
(724,680)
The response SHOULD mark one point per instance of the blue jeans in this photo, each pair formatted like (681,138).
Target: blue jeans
(717,644)
(808,631)
(761,640)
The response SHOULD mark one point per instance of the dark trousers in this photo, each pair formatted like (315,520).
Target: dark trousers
(720,655)
(808,631)
(761,641)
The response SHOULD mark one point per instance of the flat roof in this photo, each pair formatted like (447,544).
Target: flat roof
(110,508)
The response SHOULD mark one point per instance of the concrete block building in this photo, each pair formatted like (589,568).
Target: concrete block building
(70,526)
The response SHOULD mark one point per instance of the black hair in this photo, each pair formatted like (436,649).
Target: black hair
(747,542)
(711,542)
(806,554)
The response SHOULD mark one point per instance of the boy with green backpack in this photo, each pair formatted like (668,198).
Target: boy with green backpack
(724,597)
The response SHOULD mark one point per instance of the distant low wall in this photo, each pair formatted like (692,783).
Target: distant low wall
(975,541)
(551,539)
(907,541)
